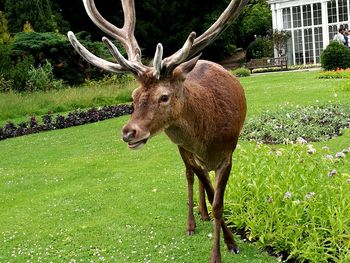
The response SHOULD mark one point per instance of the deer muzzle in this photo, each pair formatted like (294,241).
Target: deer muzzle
(134,136)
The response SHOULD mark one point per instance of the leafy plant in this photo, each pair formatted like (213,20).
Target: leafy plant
(291,202)
(241,72)
(74,118)
(42,78)
(5,85)
(313,123)
(261,47)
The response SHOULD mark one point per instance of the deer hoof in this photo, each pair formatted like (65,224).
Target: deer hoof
(234,250)
(190,232)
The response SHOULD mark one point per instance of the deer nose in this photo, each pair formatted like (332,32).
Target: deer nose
(128,135)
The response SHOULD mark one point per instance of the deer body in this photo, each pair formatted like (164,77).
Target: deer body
(198,104)
(212,114)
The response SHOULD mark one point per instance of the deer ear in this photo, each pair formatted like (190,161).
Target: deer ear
(181,71)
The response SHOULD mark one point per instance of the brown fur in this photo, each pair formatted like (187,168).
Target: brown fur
(203,116)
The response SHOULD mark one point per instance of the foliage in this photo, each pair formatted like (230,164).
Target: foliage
(18,73)
(54,47)
(4,33)
(312,123)
(74,118)
(241,72)
(260,48)
(27,27)
(37,12)
(335,56)
(293,202)
(41,78)
(254,21)
(5,85)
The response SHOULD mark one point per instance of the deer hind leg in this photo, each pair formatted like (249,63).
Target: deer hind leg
(202,205)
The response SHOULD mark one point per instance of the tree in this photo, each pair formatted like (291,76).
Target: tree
(254,21)
(166,21)
(37,12)
(280,39)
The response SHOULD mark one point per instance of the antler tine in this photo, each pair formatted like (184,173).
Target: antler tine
(199,43)
(134,67)
(124,35)
(91,58)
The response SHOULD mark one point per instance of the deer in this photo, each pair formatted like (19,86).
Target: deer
(199,105)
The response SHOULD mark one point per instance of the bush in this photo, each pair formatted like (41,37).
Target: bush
(5,85)
(42,78)
(335,56)
(311,123)
(74,118)
(241,72)
(261,47)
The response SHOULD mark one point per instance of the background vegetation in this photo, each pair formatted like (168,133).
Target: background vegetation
(33,32)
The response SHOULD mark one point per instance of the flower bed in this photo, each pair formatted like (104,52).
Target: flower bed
(74,118)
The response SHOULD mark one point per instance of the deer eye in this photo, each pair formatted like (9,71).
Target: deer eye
(164,98)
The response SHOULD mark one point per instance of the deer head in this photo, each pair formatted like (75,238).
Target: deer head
(159,98)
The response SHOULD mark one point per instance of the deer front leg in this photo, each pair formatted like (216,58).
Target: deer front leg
(222,175)
(191,223)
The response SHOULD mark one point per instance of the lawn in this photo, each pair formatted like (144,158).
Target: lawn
(80,195)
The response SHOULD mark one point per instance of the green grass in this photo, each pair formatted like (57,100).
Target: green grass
(80,195)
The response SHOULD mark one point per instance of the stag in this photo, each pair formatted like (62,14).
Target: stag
(198,104)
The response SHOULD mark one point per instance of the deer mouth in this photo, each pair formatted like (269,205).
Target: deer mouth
(137,145)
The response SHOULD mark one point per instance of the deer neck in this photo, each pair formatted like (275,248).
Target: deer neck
(189,129)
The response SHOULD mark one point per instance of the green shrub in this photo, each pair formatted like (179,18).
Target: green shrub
(261,47)
(41,78)
(20,73)
(5,85)
(312,123)
(335,56)
(241,72)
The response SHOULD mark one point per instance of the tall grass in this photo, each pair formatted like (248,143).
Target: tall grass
(93,94)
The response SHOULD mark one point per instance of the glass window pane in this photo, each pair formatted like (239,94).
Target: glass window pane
(317,14)
(307,15)
(298,47)
(318,43)
(287,23)
(308,45)
(332,11)
(296,16)
(343,10)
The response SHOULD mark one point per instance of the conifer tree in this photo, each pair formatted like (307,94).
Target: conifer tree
(37,12)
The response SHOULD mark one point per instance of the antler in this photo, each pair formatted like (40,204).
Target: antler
(125,36)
